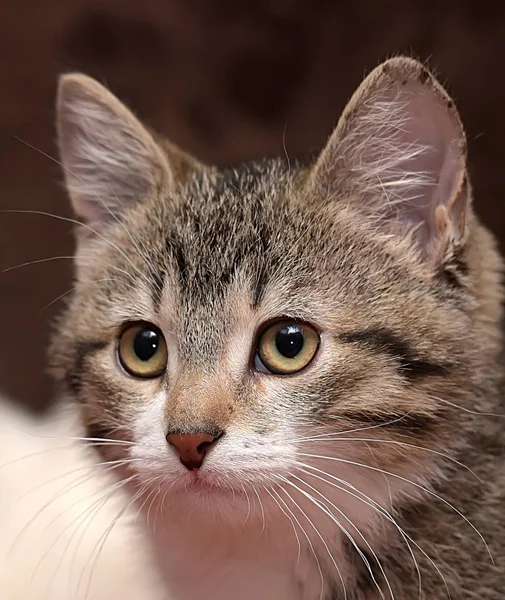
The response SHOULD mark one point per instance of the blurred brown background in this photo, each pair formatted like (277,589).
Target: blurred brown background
(225,79)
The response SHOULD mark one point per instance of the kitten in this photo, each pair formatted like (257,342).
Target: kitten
(302,361)
(55,509)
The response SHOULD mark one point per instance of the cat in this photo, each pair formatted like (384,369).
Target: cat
(56,507)
(298,363)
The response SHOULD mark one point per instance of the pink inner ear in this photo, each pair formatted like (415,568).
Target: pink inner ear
(424,129)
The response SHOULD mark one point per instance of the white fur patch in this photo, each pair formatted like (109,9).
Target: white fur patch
(51,525)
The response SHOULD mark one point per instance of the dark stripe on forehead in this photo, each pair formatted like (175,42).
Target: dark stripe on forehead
(263,271)
(83,350)
(222,229)
(259,286)
(175,250)
(383,340)
(157,276)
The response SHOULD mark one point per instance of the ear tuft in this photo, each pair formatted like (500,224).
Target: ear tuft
(399,150)
(111,161)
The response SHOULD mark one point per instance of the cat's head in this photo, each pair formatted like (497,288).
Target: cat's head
(274,325)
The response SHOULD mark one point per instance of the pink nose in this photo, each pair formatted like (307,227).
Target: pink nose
(192,448)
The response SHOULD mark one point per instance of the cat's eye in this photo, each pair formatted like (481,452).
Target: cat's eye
(287,347)
(142,350)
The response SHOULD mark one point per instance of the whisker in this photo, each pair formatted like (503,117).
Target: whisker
(99,504)
(89,228)
(19,459)
(51,158)
(290,520)
(75,287)
(103,538)
(36,262)
(467,410)
(349,536)
(282,478)
(417,485)
(72,485)
(89,259)
(101,501)
(115,463)
(77,520)
(354,430)
(381,510)
(248,504)
(262,511)
(394,442)
(100,440)
(66,488)
(97,197)
(155,493)
(307,537)
(285,147)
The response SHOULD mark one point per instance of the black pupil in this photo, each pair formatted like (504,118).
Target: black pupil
(289,340)
(146,344)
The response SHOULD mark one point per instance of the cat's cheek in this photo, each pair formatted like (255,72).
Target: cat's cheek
(254,457)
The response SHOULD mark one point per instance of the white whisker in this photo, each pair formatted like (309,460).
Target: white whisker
(337,438)
(349,536)
(142,275)
(262,511)
(103,538)
(417,485)
(306,535)
(382,511)
(332,558)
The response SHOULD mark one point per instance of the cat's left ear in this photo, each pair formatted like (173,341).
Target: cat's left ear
(399,150)
(111,161)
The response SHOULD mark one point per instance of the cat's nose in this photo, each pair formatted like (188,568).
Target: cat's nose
(192,447)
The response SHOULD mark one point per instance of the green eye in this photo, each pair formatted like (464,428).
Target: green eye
(142,350)
(287,347)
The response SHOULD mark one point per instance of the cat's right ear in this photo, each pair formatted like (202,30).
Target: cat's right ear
(399,153)
(110,160)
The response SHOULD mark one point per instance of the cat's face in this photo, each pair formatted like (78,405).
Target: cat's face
(243,329)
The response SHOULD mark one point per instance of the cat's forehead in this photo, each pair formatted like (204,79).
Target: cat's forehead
(246,231)
(224,206)
(234,225)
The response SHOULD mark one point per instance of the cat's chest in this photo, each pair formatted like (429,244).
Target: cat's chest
(244,567)
(238,578)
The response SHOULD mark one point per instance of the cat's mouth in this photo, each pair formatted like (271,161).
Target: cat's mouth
(198,481)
